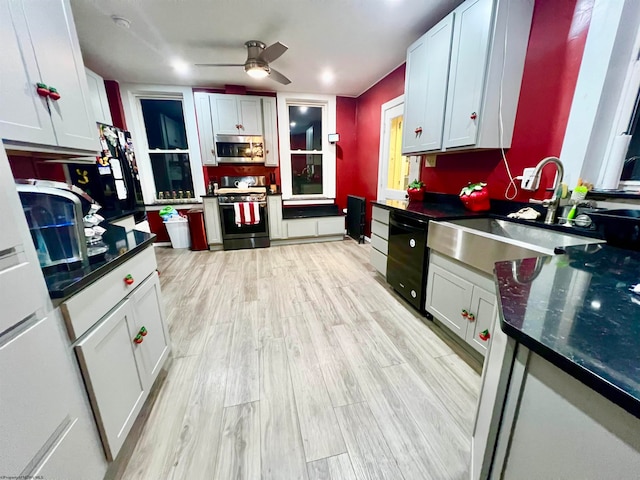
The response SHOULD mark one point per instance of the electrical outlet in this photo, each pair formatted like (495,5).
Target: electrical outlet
(529,181)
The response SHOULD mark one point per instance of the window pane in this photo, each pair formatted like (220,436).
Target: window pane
(164,122)
(305,128)
(398,174)
(306,172)
(172,175)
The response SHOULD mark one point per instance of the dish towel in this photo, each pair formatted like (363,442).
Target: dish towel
(247,213)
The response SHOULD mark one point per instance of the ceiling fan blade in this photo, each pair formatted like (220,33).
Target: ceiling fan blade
(272,52)
(278,77)
(219,64)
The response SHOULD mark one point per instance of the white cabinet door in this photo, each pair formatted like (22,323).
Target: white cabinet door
(154,349)
(483,305)
(98,98)
(270,125)
(212,221)
(109,359)
(205,128)
(467,74)
(448,296)
(274,212)
(24,115)
(34,389)
(57,50)
(415,96)
(437,66)
(301,228)
(224,111)
(250,115)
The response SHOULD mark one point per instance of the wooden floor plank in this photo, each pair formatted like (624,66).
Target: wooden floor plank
(318,425)
(239,457)
(368,450)
(333,468)
(282,452)
(243,380)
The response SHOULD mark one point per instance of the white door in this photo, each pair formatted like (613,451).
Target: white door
(250,114)
(483,305)
(108,357)
(98,98)
(24,115)
(149,322)
(224,110)
(449,299)
(395,170)
(55,44)
(269,122)
(466,77)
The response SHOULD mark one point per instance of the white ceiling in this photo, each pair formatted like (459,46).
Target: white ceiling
(358,41)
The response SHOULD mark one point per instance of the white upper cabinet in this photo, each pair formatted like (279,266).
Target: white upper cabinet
(205,128)
(98,98)
(459,74)
(466,77)
(41,37)
(269,120)
(236,114)
(221,114)
(426,89)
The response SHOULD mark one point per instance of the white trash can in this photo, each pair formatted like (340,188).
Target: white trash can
(178,228)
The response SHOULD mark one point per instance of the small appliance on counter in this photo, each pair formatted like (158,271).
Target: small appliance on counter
(62,234)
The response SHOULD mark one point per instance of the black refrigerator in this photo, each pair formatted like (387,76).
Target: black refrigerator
(113,181)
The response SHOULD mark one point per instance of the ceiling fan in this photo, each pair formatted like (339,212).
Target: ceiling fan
(258,58)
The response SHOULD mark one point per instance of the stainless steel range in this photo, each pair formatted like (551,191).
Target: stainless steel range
(243,212)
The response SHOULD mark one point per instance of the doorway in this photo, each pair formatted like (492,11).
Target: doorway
(395,170)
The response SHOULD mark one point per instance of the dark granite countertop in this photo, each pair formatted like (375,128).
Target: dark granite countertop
(576,311)
(122,246)
(431,210)
(311,211)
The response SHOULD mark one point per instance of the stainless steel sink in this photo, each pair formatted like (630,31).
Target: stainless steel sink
(481,242)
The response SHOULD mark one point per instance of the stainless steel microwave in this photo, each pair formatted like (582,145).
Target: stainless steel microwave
(239,149)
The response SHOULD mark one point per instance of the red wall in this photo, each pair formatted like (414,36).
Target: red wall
(554,54)
(357,162)
(28,167)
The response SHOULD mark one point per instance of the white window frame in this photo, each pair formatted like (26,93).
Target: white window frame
(594,145)
(284,100)
(131,95)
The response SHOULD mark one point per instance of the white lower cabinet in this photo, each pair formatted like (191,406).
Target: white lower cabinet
(379,239)
(212,223)
(461,298)
(274,212)
(120,358)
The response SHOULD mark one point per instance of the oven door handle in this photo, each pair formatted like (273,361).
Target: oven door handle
(404,226)
(262,204)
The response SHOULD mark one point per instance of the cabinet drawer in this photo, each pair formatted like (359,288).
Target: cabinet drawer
(87,307)
(380,215)
(380,229)
(331,226)
(109,360)
(17,280)
(380,244)
(379,262)
(34,393)
(302,228)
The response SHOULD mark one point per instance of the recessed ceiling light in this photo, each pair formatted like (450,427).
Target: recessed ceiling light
(180,66)
(121,21)
(327,77)
(303,109)
(292,124)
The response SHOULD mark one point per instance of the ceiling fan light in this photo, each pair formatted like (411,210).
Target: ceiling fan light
(257,72)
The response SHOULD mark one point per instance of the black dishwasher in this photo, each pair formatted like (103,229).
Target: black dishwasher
(408,257)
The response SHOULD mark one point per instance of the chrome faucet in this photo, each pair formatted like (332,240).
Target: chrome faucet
(553,202)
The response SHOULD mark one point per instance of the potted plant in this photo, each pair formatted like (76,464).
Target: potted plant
(475,197)
(416,191)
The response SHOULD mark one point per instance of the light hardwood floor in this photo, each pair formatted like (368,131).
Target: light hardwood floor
(298,362)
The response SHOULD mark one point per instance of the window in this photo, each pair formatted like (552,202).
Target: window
(307,157)
(168,148)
